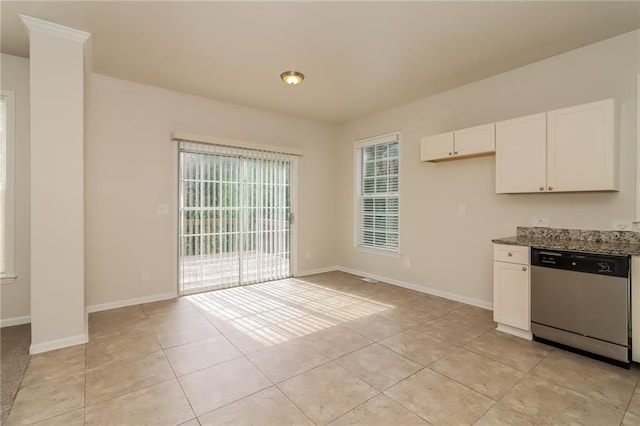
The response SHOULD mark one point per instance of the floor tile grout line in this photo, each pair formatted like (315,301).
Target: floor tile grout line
(635,389)
(293,402)
(570,389)
(357,406)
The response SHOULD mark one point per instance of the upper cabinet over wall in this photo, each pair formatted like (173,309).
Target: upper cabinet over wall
(566,150)
(471,142)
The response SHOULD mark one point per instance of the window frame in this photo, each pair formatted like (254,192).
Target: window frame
(357,212)
(9,276)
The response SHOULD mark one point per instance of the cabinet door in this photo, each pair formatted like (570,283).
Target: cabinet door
(521,154)
(511,295)
(475,140)
(437,147)
(581,148)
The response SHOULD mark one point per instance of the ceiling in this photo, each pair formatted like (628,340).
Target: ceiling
(358,57)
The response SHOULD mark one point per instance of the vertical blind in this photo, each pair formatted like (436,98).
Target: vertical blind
(378,191)
(235,213)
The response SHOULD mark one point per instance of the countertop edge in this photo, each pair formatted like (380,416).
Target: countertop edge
(615,248)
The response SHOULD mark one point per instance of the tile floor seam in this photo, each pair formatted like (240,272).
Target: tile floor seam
(578,392)
(230,402)
(357,406)
(507,392)
(589,398)
(130,392)
(469,387)
(291,377)
(370,384)
(404,406)
(637,386)
(185,396)
(495,360)
(294,404)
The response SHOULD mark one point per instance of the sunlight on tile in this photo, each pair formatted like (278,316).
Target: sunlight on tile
(306,325)
(271,313)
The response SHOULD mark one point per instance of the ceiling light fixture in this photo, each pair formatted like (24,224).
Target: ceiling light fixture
(292,77)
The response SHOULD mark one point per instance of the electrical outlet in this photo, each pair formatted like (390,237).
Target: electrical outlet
(407,263)
(145,275)
(541,222)
(622,225)
(462,209)
(162,209)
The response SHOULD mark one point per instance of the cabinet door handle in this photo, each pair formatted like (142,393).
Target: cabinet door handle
(542,188)
(455,152)
(524,268)
(451,153)
(510,254)
(551,188)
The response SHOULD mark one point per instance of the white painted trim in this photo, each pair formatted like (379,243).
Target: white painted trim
(637,150)
(178,136)
(40,25)
(130,302)
(524,334)
(316,271)
(52,345)
(422,289)
(8,280)
(8,322)
(9,207)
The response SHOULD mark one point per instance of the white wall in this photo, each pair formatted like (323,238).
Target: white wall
(452,253)
(16,297)
(130,166)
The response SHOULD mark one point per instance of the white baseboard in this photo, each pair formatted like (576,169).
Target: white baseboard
(316,271)
(422,289)
(515,331)
(8,322)
(52,345)
(130,302)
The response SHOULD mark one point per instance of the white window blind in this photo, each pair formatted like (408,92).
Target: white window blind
(235,215)
(6,186)
(378,171)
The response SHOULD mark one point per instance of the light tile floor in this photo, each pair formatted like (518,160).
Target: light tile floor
(325,349)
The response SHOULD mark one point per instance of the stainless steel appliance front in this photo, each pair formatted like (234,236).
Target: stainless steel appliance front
(581,300)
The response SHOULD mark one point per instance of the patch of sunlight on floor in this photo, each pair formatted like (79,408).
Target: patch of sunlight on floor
(278,311)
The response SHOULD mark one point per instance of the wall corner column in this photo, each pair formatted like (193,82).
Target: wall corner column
(57,73)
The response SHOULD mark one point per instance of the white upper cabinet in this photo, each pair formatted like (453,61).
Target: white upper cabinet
(436,147)
(570,149)
(581,154)
(471,142)
(521,154)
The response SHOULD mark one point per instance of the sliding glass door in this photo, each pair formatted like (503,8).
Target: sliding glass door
(234,218)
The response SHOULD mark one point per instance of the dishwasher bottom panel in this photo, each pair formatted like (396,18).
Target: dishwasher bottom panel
(588,344)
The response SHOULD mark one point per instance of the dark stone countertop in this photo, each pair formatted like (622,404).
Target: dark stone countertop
(586,246)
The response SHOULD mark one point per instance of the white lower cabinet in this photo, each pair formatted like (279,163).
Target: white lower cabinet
(635,308)
(512,290)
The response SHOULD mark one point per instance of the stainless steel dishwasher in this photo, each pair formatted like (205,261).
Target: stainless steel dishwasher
(582,300)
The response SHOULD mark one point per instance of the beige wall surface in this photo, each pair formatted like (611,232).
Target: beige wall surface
(452,253)
(16,297)
(131,164)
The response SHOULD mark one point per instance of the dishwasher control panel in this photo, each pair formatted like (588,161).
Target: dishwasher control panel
(616,266)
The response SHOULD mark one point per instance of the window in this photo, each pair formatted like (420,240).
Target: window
(377,196)
(6,185)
